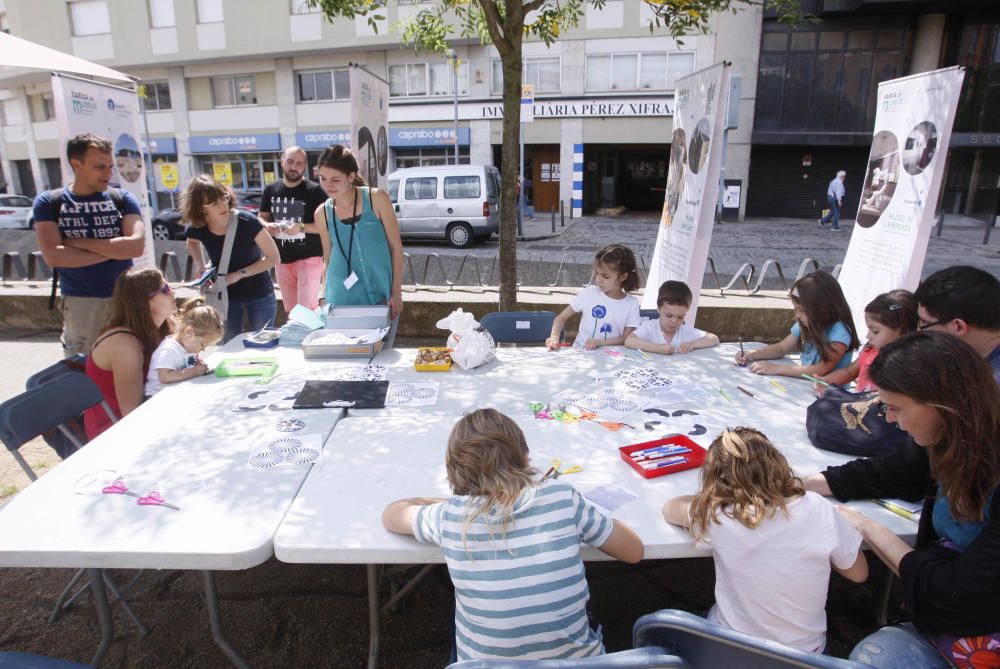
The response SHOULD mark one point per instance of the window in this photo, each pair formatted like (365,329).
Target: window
(15,201)
(43,109)
(428,157)
(427,79)
(421,188)
(210,11)
(161,14)
(393,190)
(90,17)
(637,71)
(326,85)
(156,95)
(461,187)
(234,91)
(542,73)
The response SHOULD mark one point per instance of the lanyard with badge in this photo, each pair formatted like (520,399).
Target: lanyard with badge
(352,278)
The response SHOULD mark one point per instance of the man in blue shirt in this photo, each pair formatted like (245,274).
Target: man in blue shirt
(834,200)
(91,238)
(963,301)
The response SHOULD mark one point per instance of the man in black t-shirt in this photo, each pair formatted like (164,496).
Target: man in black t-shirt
(286,208)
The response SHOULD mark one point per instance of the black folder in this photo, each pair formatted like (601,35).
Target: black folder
(350,394)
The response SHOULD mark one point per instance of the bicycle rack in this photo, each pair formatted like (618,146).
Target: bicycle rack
(559,270)
(715,275)
(763,272)
(739,275)
(534,254)
(475,266)
(802,267)
(169,259)
(409,266)
(440,264)
(36,263)
(11,263)
(836,270)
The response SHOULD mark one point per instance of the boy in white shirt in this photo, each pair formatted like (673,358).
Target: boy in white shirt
(668,334)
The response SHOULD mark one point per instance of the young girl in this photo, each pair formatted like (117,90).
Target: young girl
(176,358)
(610,314)
(512,545)
(888,317)
(823,331)
(773,543)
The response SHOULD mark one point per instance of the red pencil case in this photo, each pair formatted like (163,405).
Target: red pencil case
(691,460)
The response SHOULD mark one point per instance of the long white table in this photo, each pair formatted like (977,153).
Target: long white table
(376,456)
(188,444)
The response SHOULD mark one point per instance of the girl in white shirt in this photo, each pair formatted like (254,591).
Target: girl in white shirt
(773,542)
(669,334)
(176,358)
(610,314)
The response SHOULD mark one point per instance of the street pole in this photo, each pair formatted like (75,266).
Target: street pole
(453,57)
(150,181)
(520,187)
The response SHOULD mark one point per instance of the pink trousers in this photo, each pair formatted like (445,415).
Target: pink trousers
(299,282)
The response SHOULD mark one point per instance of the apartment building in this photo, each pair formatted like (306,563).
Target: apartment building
(236,81)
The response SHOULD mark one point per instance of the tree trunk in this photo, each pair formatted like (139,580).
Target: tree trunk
(509,164)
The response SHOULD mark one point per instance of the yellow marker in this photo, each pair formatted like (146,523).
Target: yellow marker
(778,385)
(897,509)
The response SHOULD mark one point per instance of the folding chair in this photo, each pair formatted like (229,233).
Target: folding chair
(703,645)
(518,327)
(649,657)
(12,660)
(51,404)
(649,314)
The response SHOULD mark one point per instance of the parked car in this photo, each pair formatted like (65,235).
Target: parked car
(168,224)
(249,200)
(457,203)
(15,212)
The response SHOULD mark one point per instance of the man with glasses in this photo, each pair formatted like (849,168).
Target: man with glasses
(89,233)
(965,302)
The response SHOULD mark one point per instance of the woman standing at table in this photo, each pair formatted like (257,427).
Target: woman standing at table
(936,388)
(357,227)
(209,207)
(138,320)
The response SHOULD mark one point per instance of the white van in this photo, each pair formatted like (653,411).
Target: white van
(460,203)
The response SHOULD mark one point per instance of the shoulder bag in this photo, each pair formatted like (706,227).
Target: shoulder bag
(216,293)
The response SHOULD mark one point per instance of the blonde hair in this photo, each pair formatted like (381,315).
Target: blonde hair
(744,477)
(487,459)
(201,318)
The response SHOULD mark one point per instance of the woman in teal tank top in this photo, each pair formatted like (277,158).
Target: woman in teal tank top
(357,227)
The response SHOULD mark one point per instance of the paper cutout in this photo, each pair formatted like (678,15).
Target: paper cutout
(359,373)
(681,392)
(610,497)
(270,399)
(607,403)
(289,425)
(641,378)
(412,394)
(666,422)
(302,449)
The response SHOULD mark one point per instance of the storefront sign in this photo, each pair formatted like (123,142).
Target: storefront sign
(692,184)
(249,143)
(161,146)
(527,103)
(975,139)
(399,137)
(223,173)
(900,186)
(169,178)
(317,140)
(653,106)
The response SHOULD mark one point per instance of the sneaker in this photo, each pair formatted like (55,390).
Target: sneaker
(820,222)
(834,229)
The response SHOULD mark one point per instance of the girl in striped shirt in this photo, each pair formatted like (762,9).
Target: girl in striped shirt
(512,546)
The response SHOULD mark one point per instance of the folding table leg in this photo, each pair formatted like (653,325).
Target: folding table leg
(215,620)
(373,616)
(103,614)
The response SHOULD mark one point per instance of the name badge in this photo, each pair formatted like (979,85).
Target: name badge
(350,280)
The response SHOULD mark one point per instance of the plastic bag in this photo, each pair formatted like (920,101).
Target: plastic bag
(471,345)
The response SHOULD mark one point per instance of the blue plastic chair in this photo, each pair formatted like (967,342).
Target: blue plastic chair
(518,327)
(705,645)
(12,660)
(47,406)
(649,314)
(75,364)
(649,657)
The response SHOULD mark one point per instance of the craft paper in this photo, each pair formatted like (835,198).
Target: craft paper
(285,451)
(610,497)
(412,394)
(269,399)
(608,403)
(680,392)
(641,378)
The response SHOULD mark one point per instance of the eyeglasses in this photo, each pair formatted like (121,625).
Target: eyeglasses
(165,289)
(923,325)
(227,199)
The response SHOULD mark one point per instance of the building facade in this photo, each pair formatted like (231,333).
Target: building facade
(236,81)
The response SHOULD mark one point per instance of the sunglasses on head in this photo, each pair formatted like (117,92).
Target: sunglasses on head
(165,289)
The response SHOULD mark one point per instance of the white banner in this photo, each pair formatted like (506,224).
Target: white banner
(901,184)
(692,184)
(110,112)
(370,125)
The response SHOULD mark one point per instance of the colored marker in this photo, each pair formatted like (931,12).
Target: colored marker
(612,352)
(645,355)
(897,509)
(658,449)
(548,473)
(778,385)
(660,464)
(726,395)
(815,380)
(747,392)
(660,456)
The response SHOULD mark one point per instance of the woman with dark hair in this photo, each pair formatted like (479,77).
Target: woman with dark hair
(209,207)
(942,393)
(364,260)
(138,320)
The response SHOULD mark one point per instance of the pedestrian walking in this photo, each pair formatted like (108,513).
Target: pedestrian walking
(834,200)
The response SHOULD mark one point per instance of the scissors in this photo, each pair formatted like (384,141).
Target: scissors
(557,472)
(118,487)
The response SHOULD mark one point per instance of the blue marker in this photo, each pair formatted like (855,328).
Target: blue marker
(660,456)
(663,463)
(660,449)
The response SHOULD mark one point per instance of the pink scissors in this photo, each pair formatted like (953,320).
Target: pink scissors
(153,498)
(118,487)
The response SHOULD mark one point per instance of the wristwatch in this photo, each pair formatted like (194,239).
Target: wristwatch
(243,272)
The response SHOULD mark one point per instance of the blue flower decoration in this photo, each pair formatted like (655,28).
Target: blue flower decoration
(599,311)
(606,329)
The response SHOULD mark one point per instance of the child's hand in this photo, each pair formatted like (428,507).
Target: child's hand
(686,347)
(201,369)
(819,389)
(668,350)
(592,343)
(764,367)
(742,358)
(552,343)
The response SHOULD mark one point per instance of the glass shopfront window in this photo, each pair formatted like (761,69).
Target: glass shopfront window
(248,169)
(430,156)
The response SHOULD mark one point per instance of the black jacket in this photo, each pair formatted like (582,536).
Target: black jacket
(944,591)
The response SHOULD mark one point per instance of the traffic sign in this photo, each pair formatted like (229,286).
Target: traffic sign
(527,103)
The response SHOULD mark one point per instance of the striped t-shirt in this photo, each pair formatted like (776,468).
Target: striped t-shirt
(523,593)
